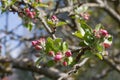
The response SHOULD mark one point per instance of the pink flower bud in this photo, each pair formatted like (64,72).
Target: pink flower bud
(34,43)
(94,31)
(54,18)
(86,16)
(41,41)
(68,53)
(57,57)
(30,14)
(34,13)
(65,63)
(97,36)
(37,47)
(27,10)
(51,53)
(106,45)
(103,32)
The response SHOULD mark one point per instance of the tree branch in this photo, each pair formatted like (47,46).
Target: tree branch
(74,70)
(29,66)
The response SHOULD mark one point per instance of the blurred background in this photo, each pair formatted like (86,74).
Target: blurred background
(15,39)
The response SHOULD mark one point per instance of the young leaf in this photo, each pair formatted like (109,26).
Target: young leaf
(64,46)
(29,26)
(89,38)
(83,44)
(78,34)
(61,23)
(38,60)
(88,53)
(98,27)
(49,45)
(85,27)
(110,38)
(50,22)
(99,48)
(70,60)
(81,9)
(99,55)
(43,5)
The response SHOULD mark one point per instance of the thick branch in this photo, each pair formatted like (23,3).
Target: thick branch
(111,11)
(99,4)
(29,66)
(112,64)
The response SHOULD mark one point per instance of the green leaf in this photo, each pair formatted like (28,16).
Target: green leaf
(83,43)
(42,5)
(49,45)
(29,25)
(88,37)
(57,40)
(50,22)
(53,45)
(98,27)
(85,27)
(57,44)
(100,48)
(99,55)
(110,38)
(81,9)
(50,63)
(78,34)
(64,46)
(38,61)
(86,43)
(88,53)
(70,60)
(61,23)
(12,2)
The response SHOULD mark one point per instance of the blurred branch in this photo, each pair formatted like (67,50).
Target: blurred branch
(28,65)
(112,64)
(111,11)
(99,4)
(103,74)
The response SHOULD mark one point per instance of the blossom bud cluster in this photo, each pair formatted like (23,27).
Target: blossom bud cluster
(56,56)
(60,57)
(30,13)
(54,19)
(38,44)
(101,34)
(86,16)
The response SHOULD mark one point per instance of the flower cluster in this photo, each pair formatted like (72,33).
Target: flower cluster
(39,44)
(85,16)
(30,13)
(61,57)
(103,34)
(54,19)
(100,33)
